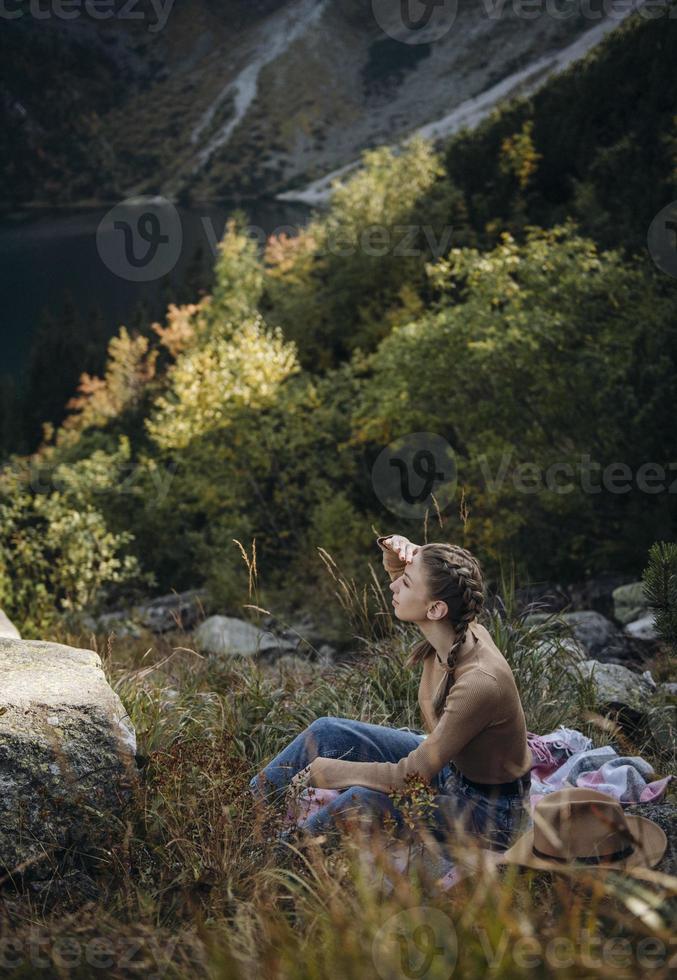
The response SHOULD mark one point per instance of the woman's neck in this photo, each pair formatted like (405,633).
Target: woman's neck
(441,635)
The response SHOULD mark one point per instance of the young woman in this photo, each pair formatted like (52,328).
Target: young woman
(474,750)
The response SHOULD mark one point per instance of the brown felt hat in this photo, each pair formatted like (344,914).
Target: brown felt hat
(579,826)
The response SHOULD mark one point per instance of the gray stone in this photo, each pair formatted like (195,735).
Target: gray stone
(642,629)
(326,654)
(67,755)
(566,646)
(594,631)
(597,635)
(7,627)
(227,636)
(119,623)
(175,611)
(629,602)
(649,678)
(618,687)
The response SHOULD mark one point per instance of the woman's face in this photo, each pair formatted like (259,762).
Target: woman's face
(410,597)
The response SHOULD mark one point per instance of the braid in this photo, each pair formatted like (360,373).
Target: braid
(456,577)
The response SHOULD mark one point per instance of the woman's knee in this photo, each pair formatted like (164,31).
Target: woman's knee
(319,731)
(323,723)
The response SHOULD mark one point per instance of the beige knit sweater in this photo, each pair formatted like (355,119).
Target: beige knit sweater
(482,729)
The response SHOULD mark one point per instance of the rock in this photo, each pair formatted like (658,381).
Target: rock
(67,755)
(635,701)
(303,634)
(537,617)
(555,647)
(670,688)
(176,611)
(595,593)
(648,677)
(642,629)
(617,687)
(116,622)
(7,627)
(225,636)
(600,638)
(326,654)
(590,629)
(629,602)
(544,596)
(594,631)
(172,612)
(665,815)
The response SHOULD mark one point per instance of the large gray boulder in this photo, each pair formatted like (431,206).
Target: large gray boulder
(599,637)
(227,636)
(618,687)
(7,627)
(634,698)
(67,755)
(594,631)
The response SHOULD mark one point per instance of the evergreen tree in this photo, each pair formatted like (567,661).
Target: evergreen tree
(660,588)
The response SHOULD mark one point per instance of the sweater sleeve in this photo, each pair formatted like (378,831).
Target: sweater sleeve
(472,704)
(392,563)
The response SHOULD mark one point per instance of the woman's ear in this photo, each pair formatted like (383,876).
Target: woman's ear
(438,610)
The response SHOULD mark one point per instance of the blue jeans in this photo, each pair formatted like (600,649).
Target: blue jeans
(494,819)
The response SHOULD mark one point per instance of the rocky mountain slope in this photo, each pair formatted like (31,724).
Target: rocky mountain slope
(211,99)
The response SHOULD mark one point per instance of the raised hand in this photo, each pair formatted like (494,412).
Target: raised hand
(401,546)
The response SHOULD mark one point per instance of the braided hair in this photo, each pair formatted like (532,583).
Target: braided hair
(453,576)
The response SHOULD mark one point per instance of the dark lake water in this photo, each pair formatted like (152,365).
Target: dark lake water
(111,260)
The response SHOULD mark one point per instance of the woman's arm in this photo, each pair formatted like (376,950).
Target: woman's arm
(473,703)
(397,551)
